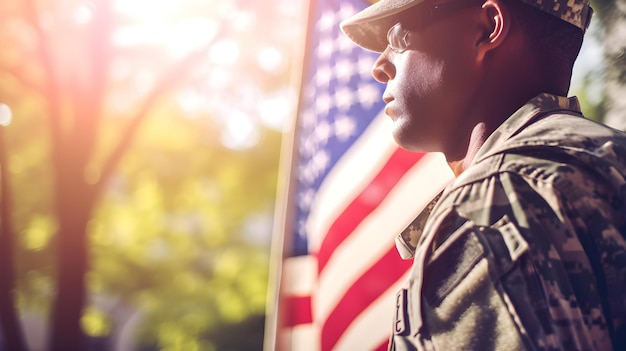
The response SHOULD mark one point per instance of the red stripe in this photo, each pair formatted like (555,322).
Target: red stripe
(383,346)
(368,288)
(366,202)
(296,310)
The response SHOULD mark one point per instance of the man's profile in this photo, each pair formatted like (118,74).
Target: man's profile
(526,248)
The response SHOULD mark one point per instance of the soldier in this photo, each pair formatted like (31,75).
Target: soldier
(526,248)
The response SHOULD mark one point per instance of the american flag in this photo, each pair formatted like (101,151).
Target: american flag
(354,190)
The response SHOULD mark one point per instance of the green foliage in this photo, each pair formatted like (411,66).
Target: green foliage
(169,237)
(589,105)
(95,323)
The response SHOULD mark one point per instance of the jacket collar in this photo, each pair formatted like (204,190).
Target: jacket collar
(533,110)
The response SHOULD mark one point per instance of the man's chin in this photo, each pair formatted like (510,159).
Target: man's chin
(412,145)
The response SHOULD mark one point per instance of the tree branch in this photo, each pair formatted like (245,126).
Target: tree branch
(51,86)
(17,72)
(179,71)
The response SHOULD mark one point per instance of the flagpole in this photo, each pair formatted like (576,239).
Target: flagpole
(283,227)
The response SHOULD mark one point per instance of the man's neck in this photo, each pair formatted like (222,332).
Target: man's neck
(479,135)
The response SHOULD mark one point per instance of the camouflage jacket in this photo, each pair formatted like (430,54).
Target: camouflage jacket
(526,249)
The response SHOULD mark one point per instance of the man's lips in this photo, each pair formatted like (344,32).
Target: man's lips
(388,110)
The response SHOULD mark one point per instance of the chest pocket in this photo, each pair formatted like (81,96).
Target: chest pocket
(464,305)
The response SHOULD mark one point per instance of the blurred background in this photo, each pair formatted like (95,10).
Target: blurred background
(139,151)
(148,132)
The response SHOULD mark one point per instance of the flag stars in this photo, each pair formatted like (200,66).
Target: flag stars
(344,70)
(323,76)
(323,104)
(327,22)
(325,49)
(308,119)
(316,166)
(323,132)
(319,163)
(365,64)
(345,127)
(344,98)
(306,198)
(302,229)
(309,146)
(307,176)
(344,45)
(369,94)
(340,81)
(346,10)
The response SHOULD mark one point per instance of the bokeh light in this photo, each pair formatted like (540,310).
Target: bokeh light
(224,52)
(6,116)
(209,85)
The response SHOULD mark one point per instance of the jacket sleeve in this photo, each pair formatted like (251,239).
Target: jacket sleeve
(504,269)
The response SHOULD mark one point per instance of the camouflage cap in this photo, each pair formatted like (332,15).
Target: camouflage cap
(369,27)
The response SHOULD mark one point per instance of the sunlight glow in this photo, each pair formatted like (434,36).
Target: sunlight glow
(275,110)
(220,77)
(6,116)
(83,14)
(146,8)
(240,132)
(157,25)
(181,38)
(224,52)
(192,103)
(270,59)
(241,20)
(164,30)
(191,34)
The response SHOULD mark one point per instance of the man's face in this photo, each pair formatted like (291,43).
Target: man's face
(429,85)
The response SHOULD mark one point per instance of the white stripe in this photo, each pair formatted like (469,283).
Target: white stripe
(299,338)
(299,275)
(372,327)
(375,234)
(349,176)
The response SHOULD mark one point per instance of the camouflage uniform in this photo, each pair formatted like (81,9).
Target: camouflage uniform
(526,249)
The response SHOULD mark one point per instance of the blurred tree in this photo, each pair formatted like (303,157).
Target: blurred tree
(12,331)
(611,14)
(158,222)
(174,231)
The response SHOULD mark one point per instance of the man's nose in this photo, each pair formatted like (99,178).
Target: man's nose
(383,70)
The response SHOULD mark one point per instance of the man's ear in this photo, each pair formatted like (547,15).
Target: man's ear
(495,23)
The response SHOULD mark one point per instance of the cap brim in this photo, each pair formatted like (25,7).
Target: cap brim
(368,28)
